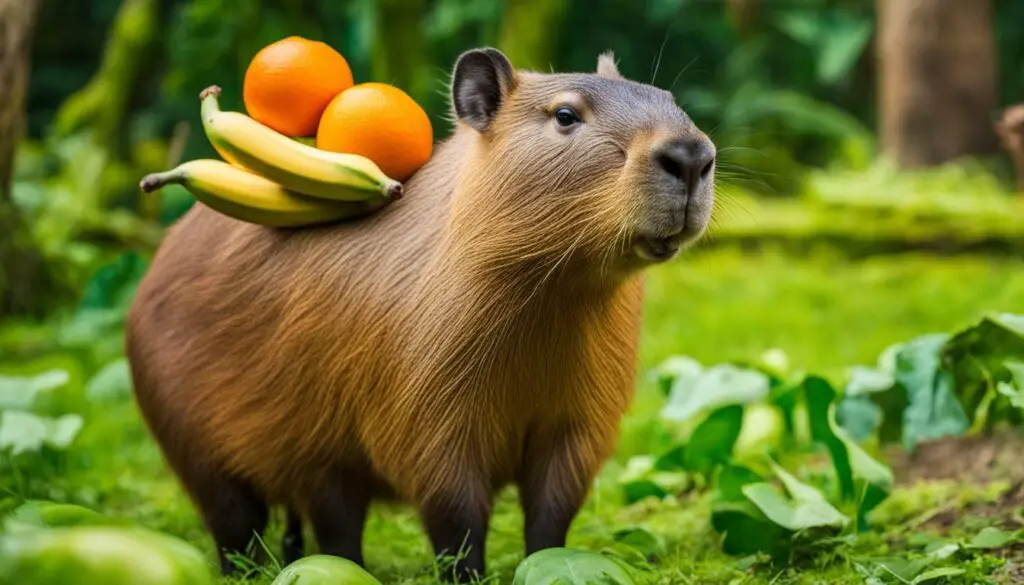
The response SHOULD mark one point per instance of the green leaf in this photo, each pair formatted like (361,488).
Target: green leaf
(113,285)
(39,513)
(991,537)
(712,441)
(717,386)
(112,382)
(858,473)
(647,543)
(860,416)
(841,47)
(672,460)
(746,530)
(642,479)
(940,573)
(864,380)
(23,432)
(731,479)
(675,368)
(933,410)
(20,392)
(565,566)
(792,514)
(764,428)
(805,507)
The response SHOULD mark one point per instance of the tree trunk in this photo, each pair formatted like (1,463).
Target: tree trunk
(26,281)
(937,86)
(399,51)
(529,31)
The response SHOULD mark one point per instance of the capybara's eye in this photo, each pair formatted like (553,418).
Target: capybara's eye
(566,117)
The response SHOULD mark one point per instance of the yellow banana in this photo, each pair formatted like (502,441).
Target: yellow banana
(249,197)
(297,167)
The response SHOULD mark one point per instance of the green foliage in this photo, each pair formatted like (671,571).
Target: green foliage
(788,517)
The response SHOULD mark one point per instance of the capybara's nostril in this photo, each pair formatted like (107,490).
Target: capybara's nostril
(671,165)
(689,160)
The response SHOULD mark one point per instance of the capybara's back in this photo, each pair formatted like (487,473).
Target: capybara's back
(482,330)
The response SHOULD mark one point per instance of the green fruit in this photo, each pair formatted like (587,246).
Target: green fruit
(324,570)
(100,555)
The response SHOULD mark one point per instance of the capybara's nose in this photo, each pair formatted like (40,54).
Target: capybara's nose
(688,160)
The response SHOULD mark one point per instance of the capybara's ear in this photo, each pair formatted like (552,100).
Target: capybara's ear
(606,66)
(483,79)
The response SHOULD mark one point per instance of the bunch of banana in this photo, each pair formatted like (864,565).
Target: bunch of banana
(273,180)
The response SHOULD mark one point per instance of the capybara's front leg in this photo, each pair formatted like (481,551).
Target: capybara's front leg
(457,526)
(559,468)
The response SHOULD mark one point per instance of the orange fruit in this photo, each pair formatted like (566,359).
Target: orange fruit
(382,123)
(289,83)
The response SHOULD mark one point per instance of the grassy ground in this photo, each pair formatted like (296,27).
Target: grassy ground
(824,311)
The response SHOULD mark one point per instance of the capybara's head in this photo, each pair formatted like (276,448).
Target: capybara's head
(585,167)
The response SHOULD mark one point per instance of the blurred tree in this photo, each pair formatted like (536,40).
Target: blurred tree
(743,14)
(102,105)
(937,85)
(398,49)
(27,282)
(529,32)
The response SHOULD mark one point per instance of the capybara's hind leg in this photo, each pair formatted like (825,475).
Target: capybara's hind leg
(234,514)
(458,530)
(338,515)
(292,544)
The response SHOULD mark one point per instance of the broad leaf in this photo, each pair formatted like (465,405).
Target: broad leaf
(805,507)
(793,514)
(978,359)
(746,530)
(859,416)
(731,479)
(717,386)
(939,573)
(991,537)
(933,410)
(712,441)
(860,476)
(23,432)
(864,380)
(678,367)
(565,566)
(19,393)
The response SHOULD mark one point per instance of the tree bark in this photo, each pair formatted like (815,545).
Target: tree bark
(938,81)
(26,281)
(529,31)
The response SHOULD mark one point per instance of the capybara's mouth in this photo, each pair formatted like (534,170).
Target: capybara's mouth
(657,248)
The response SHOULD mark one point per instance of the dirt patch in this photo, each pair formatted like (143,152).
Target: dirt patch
(978,460)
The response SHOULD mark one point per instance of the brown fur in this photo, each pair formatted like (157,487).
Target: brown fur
(1010,128)
(480,331)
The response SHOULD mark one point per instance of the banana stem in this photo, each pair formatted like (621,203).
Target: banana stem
(154,181)
(395,190)
(208,97)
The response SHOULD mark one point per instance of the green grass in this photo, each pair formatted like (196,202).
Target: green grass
(827,312)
